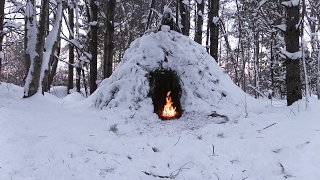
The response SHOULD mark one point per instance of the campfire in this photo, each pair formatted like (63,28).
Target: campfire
(169,111)
(165,91)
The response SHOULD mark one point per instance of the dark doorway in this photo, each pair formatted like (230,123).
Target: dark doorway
(162,82)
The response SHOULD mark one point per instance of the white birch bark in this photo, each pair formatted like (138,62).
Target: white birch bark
(50,41)
(31,26)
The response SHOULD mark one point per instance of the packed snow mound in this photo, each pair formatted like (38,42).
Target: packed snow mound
(206,88)
(9,93)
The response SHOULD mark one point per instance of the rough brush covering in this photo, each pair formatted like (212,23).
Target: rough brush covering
(205,87)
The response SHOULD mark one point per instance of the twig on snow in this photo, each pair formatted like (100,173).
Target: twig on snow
(172,175)
(177,141)
(283,171)
(212,149)
(266,127)
(116,161)
(218,176)
(199,137)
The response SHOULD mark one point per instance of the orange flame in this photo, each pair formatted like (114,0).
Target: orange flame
(168,110)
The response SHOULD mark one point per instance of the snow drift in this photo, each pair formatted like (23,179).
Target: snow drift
(206,88)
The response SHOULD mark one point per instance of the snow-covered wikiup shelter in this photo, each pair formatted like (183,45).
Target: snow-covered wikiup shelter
(165,69)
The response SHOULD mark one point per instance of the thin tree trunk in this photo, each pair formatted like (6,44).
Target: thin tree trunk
(293,82)
(303,54)
(50,63)
(78,76)
(71,48)
(1,32)
(109,45)
(185,18)
(198,34)
(93,45)
(214,28)
(256,62)
(84,83)
(272,65)
(51,45)
(150,14)
(54,64)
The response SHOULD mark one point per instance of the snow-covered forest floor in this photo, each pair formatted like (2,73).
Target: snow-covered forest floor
(61,137)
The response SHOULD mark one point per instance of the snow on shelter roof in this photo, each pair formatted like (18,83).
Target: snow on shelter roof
(206,88)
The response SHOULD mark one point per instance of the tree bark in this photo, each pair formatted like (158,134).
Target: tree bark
(214,28)
(1,31)
(33,80)
(292,33)
(109,35)
(53,45)
(150,14)
(78,77)
(198,34)
(71,48)
(185,18)
(93,45)
(256,62)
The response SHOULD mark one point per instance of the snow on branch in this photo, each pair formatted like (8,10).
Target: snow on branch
(282,27)
(77,45)
(294,56)
(261,3)
(291,3)
(12,24)
(299,23)
(186,2)
(215,20)
(1,55)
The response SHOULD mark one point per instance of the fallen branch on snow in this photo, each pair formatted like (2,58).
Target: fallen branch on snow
(172,175)
(215,114)
(266,127)
(283,171)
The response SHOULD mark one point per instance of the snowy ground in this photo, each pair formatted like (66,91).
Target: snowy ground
(57,137)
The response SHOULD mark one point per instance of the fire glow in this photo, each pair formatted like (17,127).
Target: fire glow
(169,111)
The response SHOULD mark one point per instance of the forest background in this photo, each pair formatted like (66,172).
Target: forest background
(270,48)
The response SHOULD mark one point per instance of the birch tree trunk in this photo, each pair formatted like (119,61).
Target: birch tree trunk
(39,47)
(51,45)
(35,44)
